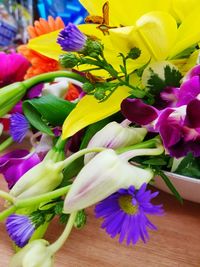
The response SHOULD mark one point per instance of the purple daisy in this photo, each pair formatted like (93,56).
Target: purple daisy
(124,213)
(20,228)
(71,39)
(19,126)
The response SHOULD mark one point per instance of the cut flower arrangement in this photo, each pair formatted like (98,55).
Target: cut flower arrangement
(107,106)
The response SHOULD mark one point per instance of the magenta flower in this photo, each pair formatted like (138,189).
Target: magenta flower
(13,68)
(178,127)
(14,164)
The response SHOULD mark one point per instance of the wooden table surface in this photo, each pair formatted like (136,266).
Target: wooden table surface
(175,244)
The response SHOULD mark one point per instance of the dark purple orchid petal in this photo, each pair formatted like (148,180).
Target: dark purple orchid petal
(35,91)
(170,133)
(193,113)
(75,142)
(188,91)
(138,112)
(14,164)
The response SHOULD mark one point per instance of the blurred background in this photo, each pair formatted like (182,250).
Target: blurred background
(16,15)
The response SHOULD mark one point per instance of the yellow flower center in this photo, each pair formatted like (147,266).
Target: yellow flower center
(125,203)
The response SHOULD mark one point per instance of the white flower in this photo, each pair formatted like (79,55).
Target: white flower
(105,174)
(115,135)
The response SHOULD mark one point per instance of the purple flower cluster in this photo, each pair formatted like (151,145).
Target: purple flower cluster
(179,125)
(124,214)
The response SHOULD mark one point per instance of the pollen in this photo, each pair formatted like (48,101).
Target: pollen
(125,203)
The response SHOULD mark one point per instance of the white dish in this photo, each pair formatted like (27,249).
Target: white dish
(188,188)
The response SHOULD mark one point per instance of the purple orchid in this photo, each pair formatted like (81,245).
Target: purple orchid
(19,127)
(14,164)
(178,127)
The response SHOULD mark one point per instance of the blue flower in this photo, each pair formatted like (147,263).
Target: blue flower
(71,39)
(124,213)
(20,228)
(19,126)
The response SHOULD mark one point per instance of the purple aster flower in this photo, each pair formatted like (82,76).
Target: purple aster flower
(20,228)
(124,214)
(14,164)
(19,126)
(71,39)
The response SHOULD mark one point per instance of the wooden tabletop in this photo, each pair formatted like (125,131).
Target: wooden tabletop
(175,244)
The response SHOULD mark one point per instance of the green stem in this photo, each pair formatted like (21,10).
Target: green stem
(146,144)
(6,143)
(61,240)
(60,144)
(52,75)
(22,203)
(78,154)
(4,214)
(6,196)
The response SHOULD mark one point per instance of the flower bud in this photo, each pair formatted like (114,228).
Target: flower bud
(68,60)
(92,48)
(35,254)
(42,178)
(134,53)
(102,176)
(88,87)
(115,135)
(10,96)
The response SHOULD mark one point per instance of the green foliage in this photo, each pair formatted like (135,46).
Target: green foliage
(156,84)
(189,166)
(81,219)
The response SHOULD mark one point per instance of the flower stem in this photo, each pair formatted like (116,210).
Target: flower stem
(80,153)
(6,196)
(146,144)
(52,75)
(6,143)
(22,203)
(4,214)
(61,240)
(60,144)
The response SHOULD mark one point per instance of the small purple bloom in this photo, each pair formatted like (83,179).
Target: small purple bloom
(19,126)
(20,228)
(124,214)
(35,91)
(71,39)
(14,164)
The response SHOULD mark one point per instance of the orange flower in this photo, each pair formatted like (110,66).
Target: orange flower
(72,92)
(39,63)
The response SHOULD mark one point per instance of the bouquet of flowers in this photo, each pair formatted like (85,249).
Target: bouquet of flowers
(107,106)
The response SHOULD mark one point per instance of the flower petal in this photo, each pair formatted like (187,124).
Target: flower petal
(138,112)
(89,110)
(193,111)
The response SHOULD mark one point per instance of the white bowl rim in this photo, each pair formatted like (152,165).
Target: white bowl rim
(182,177)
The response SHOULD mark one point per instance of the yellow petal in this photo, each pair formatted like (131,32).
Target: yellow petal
(46,45)
(188,32)
(125,12)
(182,8)
(158,32)
(89,110)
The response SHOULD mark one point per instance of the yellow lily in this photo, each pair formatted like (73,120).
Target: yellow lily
(155,33)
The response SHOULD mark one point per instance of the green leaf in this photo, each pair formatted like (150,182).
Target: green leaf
(47,110)
(81,219)
(157,84)
(170,185)
(186,53)
(189,166)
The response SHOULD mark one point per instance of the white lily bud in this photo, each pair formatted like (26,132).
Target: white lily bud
(35,254)
(115,135)
(42,178)
(105,174)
